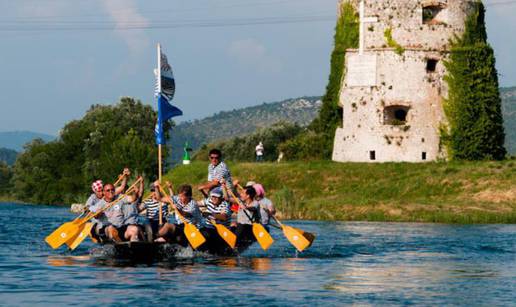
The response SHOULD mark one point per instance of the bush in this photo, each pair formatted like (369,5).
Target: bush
(330,115)
(473,109)
(243,148)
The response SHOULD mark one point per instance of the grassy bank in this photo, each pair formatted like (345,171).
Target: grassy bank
(458,192)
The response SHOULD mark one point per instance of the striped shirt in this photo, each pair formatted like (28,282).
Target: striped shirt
(193,210)
(222,208)
(220,171)
(152,207)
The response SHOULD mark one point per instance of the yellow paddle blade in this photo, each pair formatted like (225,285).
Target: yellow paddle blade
(84,231)
(194,236)
(226,234)
(62,234)
(262,236)
(309,236)
(296,238)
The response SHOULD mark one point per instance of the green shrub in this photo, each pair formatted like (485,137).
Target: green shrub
(243,148)
(330,115)
(473,109)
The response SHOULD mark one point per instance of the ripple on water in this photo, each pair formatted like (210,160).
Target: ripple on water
(349,263)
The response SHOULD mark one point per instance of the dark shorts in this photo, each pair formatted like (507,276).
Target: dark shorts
(155,226)
(245,236)
(121,231)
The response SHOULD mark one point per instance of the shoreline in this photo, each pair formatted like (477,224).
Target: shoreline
(439,192)
(432,217)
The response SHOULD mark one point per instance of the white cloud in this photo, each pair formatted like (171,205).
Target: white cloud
(124,12)
(251,53)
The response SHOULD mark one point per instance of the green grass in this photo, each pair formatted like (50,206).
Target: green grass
(457,192)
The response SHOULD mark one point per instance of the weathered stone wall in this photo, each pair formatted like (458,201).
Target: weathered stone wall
(405,18)
(404,81)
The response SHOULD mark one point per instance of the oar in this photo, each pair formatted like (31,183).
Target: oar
(85,229)
(71,229)
(76,240)
(77,221)
(226,234)
(193,235)
(260,233)
(300,239)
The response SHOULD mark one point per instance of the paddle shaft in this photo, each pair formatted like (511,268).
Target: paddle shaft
(181,217)
(241,205)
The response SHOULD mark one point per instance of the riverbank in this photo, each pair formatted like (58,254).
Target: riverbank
(456,192)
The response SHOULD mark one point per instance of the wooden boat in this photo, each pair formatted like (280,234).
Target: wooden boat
(151,251)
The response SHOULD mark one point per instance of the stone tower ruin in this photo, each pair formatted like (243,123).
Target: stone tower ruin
(393,88)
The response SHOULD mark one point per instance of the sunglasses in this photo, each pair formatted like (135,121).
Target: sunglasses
(214,157)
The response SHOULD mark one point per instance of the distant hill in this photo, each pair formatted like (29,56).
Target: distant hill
(16,139)
(243,121)
(509,115)
(8,155)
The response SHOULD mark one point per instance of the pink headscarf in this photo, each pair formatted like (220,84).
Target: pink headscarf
(260,191)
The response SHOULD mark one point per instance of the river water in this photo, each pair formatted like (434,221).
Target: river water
(349,263)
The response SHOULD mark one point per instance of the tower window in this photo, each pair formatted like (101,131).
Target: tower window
(372,155)
(395,115)
(431,65)
(423,155)
(433,14)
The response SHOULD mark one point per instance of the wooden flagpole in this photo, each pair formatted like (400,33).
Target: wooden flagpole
(159,129)
(159,93)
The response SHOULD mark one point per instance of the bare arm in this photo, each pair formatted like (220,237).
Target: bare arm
(120,189)
(209,185)
(140,188)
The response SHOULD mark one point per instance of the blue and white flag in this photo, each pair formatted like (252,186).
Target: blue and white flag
(165,83)
(165,112)
(165,88)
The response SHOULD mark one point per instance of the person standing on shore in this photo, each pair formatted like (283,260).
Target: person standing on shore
(259,152)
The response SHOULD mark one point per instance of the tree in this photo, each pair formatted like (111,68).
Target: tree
(98,146)
(473,109)
(5,178)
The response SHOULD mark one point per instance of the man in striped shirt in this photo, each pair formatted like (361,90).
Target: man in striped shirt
(152,206)
(217,208)
(189,210)
(218,171)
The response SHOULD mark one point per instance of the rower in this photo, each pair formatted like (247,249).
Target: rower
(245,218)
(97,195)
(152,206)
(266,206)
(217,208)
(132,228)
(190,211)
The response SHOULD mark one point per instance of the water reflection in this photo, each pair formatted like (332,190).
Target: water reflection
(61,261)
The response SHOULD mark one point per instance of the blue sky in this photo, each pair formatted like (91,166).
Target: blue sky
(58,57)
